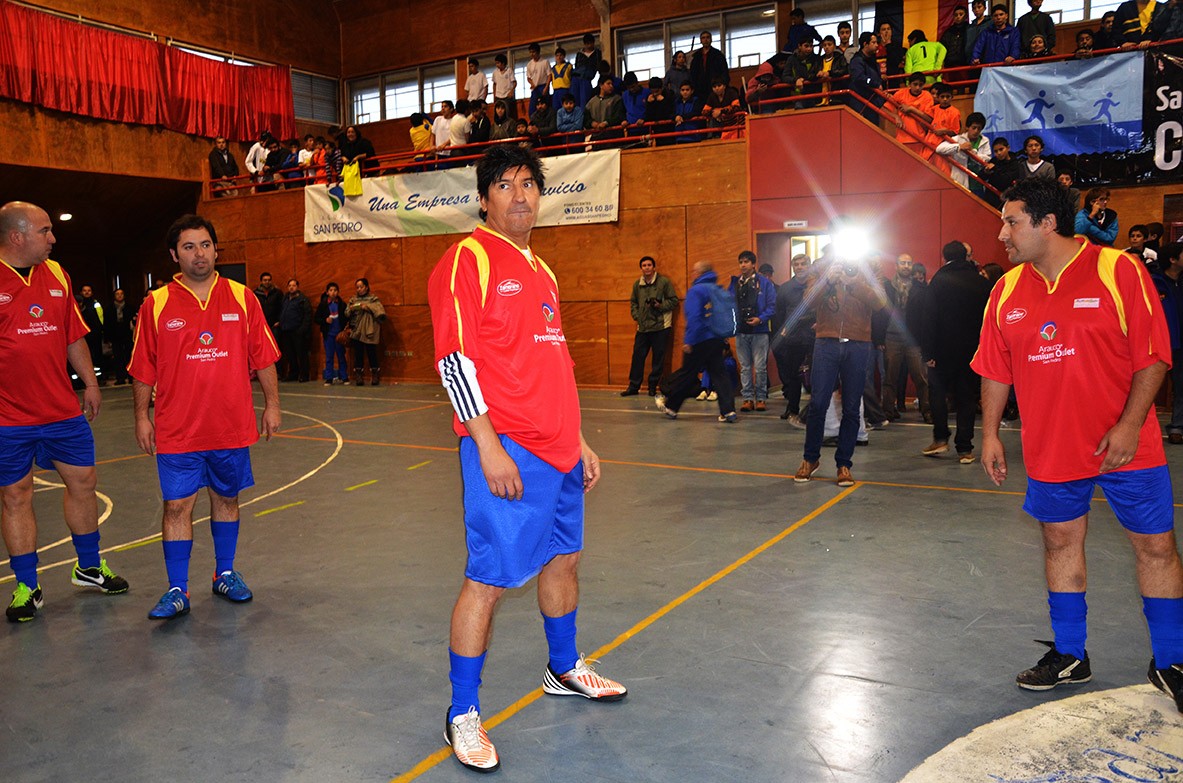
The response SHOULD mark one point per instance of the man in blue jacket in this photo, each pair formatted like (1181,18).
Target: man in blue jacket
(755,302)
(1000,43)
(702,350)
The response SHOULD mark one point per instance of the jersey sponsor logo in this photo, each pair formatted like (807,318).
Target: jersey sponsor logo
(1048,331)
(1016,315)
(509,287)
(1090,303)
(174,324)
(36,310)
(205,338)
(548,311)
(229,316)
(5,299)
(59,293)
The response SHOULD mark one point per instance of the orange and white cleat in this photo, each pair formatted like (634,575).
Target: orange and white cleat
(470,743)
(582,681)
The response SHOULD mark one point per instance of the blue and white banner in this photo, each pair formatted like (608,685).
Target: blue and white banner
(1075,106)
(582,188)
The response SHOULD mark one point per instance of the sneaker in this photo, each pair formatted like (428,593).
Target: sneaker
(878,425)
(582,681)
(345,382)
(806,471)
(967,458)
(797,421)
(702,395)
(1175,438)
(328,383)
(935,448)
(229,585)
(101,577)
(25,603)
(1169,681)
(630,392)
(729,418)
(761,406)
(172,604)
(747,406)
(1054,669)
(670,413)
(653,392)
(470,743)
(712,397)
(845,479)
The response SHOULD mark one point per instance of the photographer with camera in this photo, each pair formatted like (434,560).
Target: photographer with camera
(755,300)
(653,302)
(844,294)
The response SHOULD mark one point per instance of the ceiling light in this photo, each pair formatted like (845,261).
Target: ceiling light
(65,216)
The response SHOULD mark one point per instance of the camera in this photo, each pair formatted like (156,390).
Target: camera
(850,268)
(654,303)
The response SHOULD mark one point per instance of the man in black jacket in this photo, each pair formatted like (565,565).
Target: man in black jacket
(707,64)
(295,328)
(271,298)
(949,339)
(222,169)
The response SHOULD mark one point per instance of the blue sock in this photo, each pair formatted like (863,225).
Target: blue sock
(225,543)
(1068,611)
(465,674)
(87,547)
(1164,616)
(176,562)
(560,637)
(25,568)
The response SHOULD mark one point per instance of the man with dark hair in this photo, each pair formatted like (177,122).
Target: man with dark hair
(1106,37)
(755,303)
(505,84)
(1072,317)
(1001,172)
(652,304)
(799,31)
(222,169)
(1036,22)
(707,64)
(801,71)
(1169,282)
(366,314)
(197,341)
(523,459)
(476,86)
(1137,236)
(970,148)
(92,316)
(441,129)
(117,328)
(271,299)
(1065,178)
(957,297)
(866,80)
(979,24)
(1153,235)
(906,299)
(924,55)
(1096,221)
(891,54)
(41,329)
(998,43)
(914,105)
(845,48)
(295,329)
(953,39)
(604,114)
(792,336)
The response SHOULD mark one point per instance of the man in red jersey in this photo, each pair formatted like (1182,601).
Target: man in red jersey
(502,355)
(1073,318)
(197,341)
(40,328)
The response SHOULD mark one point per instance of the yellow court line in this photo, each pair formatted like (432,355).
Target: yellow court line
(421,464)
(279,508)
(530,698)
(363,484)
(373,443)
(372,416)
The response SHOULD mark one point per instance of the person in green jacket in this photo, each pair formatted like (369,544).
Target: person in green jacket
(652,303)
(924,55)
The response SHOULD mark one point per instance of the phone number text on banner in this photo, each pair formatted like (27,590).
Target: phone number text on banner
(582,188)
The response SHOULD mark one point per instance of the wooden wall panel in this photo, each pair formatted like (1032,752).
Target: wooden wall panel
(405,34)
(705,173)
(717,233)
(407,345)
(585,325)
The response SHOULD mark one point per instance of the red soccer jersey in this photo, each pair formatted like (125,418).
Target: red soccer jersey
(924,102)
(1071,348)
(500,309)
(38,321)
(199,357)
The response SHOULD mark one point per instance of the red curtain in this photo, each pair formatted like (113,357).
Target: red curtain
(64,65)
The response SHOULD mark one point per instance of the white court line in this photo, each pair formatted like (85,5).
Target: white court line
(46,485)
(252,501)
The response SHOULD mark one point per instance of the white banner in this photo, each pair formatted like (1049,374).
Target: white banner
(583,188)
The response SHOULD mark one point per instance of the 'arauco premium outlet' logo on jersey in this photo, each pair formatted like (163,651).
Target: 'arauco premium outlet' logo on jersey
(1048,331)
(205,338)
(548,311)
(36,310)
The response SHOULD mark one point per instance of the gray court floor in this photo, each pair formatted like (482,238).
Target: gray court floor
(768,631)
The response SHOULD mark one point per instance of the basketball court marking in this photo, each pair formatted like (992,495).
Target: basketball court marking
(44,485)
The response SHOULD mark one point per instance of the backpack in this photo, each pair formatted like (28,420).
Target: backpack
(720,311)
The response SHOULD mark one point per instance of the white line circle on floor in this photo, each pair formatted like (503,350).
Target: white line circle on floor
(1114,736)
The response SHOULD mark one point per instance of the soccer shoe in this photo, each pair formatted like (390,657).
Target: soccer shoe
(100,577)
(728,418)
(25,603)
(1168,680)
(670,413)
(229,585)
(967,458)
(845,479)
(470,744)
(936,448)
(172,604)
(1055,668)
(702,395)
(712,397)
(582,681)
(806,471)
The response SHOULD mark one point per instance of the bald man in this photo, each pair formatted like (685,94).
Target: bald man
(40,327)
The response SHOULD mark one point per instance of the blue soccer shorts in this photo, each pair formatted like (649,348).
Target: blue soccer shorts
(1141,499)
(68,441)
(509,541)
(225,471)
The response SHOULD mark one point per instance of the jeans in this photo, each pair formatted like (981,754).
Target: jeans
(872,406)
(897,354)
(966,386)
(334,349)
(751,351)
(789,358)
(836,361)
(707,355)
(643,343)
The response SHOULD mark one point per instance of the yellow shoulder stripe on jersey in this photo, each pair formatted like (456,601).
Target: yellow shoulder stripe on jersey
(240,293)
(58,272)
(482,269)
(159,298)
(548,270)
(1107,263)
(1008,283)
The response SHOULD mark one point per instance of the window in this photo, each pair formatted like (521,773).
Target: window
(750,37)
(683,33)
(400,94)
(365,103)
(746,37)
(315,97)
(642,51)
(439,84)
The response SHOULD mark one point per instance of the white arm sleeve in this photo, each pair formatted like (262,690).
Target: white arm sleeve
(458,374)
